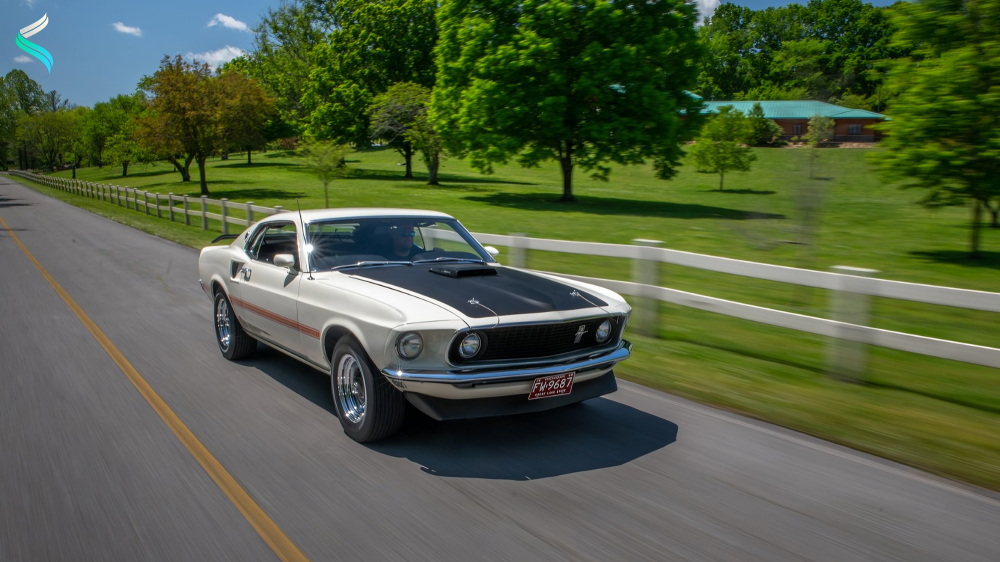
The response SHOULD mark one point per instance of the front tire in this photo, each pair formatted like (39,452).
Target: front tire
(368,406)
(234,342)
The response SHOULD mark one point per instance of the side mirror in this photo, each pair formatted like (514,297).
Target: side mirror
(491,251)
(285,260)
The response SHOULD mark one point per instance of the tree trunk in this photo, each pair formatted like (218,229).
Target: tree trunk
(74,171)
(249,155)
(722,176)
(432,169)
(201,174)
(566,163)
(994,213)
(125,169)
(408,155)
(974,238)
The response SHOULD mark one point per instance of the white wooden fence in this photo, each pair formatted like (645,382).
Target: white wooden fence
(852,288)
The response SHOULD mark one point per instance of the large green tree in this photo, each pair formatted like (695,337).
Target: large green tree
(945,130)
(394,113)
(377,43)
(582,82)
(184,103)
(20,95)
(722,145)
(49,133)
(824,49)
(122,145)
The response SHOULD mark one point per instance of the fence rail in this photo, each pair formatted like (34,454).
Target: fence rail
(851,287)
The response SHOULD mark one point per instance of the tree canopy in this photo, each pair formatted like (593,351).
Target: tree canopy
(582,82)
(944,136)
(721,146)
(825,50)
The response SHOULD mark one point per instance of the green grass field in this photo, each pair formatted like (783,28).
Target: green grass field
(939,415)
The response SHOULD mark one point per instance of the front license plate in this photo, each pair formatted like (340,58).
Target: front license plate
(553,385)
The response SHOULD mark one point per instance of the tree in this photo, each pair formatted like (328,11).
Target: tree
(326,160)
(762,129)
(244,112)
(280,58)
(429,143)
(184,113)
(945,130)
(23,97)
(821,130)
(49,133)
(123,144)
(393,114)
(721,146)
(377,44)
(582,82)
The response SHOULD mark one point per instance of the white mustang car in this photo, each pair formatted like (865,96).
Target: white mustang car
(400,305)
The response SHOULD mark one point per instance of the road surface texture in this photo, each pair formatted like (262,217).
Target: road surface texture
(89,471)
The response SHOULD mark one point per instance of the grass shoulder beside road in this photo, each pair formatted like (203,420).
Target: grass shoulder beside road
(938,415)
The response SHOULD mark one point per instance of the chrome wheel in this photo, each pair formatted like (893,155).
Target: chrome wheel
(351,391)
(222,328)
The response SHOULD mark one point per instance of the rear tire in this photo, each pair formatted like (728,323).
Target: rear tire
(234,342)
(368,406)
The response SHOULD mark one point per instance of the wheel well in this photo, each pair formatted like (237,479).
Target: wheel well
(331,338)
(216,288)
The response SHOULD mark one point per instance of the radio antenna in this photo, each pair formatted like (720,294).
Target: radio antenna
(305,238)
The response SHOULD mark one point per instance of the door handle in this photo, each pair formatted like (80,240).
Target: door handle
(246,273)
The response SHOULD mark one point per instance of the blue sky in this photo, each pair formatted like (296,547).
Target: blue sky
(102,48)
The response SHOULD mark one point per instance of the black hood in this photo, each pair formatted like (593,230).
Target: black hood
(477,296)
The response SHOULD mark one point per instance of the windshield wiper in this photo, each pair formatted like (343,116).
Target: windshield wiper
(370,264)
(451,259)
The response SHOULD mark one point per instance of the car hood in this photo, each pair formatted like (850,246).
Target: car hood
(507,293)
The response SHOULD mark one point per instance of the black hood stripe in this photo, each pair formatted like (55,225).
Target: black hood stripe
(508,292)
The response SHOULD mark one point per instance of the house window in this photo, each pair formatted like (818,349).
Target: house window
(854,129)
(797,130)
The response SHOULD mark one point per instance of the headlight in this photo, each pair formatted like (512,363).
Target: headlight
(470,346)
(409,345)
(603,331)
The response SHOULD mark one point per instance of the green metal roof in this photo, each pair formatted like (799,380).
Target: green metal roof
(794,109)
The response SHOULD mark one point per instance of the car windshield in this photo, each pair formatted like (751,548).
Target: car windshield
(386,242)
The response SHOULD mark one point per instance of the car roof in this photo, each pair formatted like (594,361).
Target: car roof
(312,215)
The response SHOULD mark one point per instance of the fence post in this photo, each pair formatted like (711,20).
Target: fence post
(645,271)
(225,223)
(518,251)
(170,205)
(157,198)
(847,355)
(204,212)
(187,211)
(118,196)
(249,213)
(145,201)
(278,209)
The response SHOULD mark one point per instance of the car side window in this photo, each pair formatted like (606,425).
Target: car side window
(274,239)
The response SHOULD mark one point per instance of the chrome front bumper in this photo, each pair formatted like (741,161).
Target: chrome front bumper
(469,377)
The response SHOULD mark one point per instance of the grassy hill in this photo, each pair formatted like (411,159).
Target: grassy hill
(940,415)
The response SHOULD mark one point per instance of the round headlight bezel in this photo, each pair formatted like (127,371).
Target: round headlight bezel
(407,338)
(461,345)
(606,328)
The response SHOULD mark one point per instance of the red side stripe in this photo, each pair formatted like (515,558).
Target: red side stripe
(287,322)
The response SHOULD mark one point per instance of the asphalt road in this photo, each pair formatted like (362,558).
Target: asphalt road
(88,471)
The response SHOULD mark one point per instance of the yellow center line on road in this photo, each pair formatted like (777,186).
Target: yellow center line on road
(268,530)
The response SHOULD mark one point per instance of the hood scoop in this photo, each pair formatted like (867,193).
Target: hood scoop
(465,270)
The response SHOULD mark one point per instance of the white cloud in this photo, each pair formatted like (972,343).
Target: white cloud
(228,22)
(122,28)
(218,57)
(706,8)
(23,59)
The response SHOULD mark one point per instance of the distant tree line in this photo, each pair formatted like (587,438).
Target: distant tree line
(827,50)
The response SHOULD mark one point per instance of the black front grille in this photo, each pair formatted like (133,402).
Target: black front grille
(537,340)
